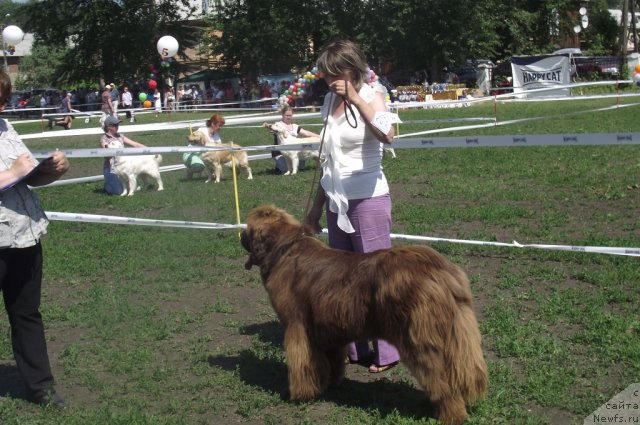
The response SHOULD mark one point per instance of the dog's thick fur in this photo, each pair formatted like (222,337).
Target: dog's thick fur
(410,296)
(214,160)
(130,168)
(292,158)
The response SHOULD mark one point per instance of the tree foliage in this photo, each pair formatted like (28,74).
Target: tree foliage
(107,40)
(396,34)
(40,68)
(114,40)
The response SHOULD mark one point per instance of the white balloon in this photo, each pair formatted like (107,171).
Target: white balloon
(636,77)
(12,35)
(167,46)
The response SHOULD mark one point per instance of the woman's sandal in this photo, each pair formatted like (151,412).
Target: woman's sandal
(378,369)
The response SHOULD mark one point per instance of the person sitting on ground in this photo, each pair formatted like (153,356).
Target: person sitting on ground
(210,131)
(294,131)
(112,185)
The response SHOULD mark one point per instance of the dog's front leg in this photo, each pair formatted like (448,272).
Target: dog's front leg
(133,182)
(295,161)
(218,171)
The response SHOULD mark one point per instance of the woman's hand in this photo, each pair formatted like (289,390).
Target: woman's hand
(312,221)
(58,164)
(22,165)
(50,170)
(344,88)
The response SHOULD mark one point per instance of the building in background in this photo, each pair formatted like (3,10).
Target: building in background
(12,54)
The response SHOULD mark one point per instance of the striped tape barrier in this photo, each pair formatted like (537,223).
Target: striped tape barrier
(106,219)
(427,142)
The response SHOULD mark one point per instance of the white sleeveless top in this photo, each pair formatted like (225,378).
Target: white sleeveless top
(351,158)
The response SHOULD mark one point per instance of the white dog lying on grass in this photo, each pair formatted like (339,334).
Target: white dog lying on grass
(129,168)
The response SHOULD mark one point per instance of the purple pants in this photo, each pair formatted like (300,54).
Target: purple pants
(371,218)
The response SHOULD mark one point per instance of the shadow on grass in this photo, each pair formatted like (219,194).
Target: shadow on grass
(11,383)
(270,374)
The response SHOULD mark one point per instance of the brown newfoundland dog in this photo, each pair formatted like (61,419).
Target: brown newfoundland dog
(410,296)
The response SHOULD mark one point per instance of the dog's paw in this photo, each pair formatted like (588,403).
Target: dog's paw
(288,173)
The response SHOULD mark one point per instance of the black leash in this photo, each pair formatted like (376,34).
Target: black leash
(315,173)
(348,109)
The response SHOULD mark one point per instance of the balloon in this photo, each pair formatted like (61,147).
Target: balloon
(142,97)
(147,104)
(167,46)
(637,68)
(636,77)
(12,35)
(153,84)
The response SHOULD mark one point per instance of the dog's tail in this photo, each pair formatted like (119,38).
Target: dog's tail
(158,158)
(468,369)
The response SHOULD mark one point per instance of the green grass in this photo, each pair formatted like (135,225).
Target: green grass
(150,325)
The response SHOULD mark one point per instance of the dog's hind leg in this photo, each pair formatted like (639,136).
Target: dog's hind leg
(428,366)
(305,380)
(158,180)
(451,410)
(247,170)
(218,171)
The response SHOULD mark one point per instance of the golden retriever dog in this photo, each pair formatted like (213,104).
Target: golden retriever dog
(214,160)
(410,296)
(292,158)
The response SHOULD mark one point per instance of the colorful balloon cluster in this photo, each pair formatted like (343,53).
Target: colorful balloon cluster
(636,75)
(298,89)
(167,47)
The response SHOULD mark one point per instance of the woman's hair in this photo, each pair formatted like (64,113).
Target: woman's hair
(285,108)
(215,119)
(341,56)
(5,88)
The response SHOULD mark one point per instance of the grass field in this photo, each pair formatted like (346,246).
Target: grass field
(151,325)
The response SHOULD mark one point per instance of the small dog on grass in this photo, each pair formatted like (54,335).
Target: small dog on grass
(129,168)
(215,159)
(292,158)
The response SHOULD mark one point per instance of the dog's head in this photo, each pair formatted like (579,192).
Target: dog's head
(115,144)
(276,128)
(268,228)
(196,138)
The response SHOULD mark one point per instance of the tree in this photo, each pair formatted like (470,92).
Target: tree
(108,40)
(39,68)
(257,38)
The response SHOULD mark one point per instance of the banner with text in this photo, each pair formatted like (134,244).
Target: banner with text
(536,72)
